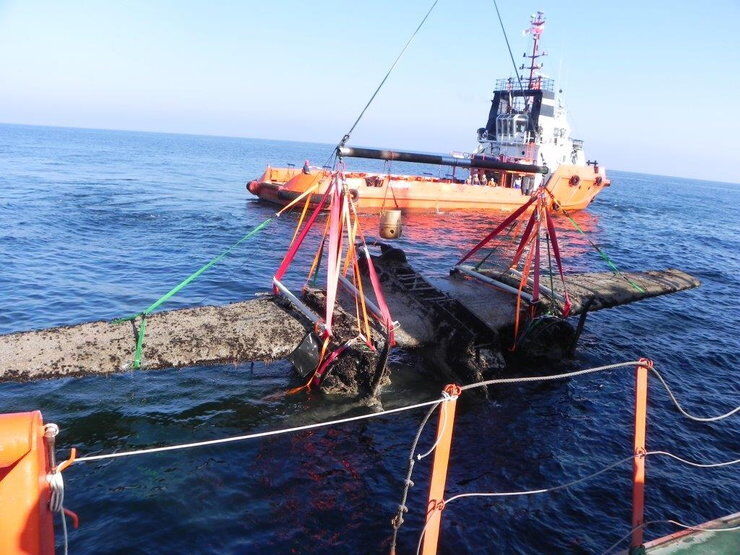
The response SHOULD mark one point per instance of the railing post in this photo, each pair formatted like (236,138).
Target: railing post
(638,463)
(439,470)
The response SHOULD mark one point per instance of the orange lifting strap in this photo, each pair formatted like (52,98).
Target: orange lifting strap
(26,522)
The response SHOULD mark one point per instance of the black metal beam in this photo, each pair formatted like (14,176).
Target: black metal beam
(476,161)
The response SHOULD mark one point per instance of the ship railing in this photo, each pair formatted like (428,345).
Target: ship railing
(437,501)
(537,84)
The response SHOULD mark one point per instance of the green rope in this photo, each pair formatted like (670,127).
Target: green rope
(177,288)
(603,255)
(139,344)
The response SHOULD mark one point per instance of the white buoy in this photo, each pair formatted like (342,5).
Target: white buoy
(390,224)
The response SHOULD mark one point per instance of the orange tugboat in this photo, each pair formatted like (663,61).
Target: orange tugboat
(526,142)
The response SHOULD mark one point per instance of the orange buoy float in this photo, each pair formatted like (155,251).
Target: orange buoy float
(26,520)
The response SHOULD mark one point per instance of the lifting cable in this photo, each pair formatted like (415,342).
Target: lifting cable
(508,46)
(307,194)
(388,73)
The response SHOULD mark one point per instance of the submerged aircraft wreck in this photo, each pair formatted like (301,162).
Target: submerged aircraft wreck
(461,324)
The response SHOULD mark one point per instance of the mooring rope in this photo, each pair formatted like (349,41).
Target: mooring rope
(692,463)
(445,397)
(552,376)
(686,414)
(537,491)
(397,521)
(56,504)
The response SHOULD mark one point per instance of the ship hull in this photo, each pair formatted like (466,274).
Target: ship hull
(572,187)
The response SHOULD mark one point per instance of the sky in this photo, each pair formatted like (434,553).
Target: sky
(651,86)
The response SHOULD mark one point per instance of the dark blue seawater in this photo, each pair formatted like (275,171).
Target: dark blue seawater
(97,224)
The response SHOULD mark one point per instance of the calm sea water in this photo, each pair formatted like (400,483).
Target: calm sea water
(97,224)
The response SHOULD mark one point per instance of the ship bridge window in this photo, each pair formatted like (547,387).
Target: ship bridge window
(512,127)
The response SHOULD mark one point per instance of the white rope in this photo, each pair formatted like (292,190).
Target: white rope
(728,529)
(56,501)
(698,465)
(585,478)
(543,490)
(255,435)
(551,376)
(686,414)
(55,480)
(421,537)
(446,397)
(687,527)
(575,482)
(600,369)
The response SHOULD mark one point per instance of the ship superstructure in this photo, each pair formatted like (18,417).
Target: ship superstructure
(525,144)
(528,121)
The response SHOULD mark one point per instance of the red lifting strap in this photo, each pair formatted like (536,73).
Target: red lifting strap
(524,241)
(295,245)
(321,370)
(556,252)
(536,282)
(334,252)
(378,290)
(514,215)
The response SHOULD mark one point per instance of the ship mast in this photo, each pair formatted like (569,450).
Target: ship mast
(537,25)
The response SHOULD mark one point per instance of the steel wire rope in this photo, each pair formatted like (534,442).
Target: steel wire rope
(388,73)
(508,46)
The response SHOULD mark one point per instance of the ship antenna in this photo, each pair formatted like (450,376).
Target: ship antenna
(537,25)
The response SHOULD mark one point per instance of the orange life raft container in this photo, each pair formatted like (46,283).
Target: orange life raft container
(26,521)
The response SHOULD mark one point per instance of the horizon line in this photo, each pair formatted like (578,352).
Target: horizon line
(82,128)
